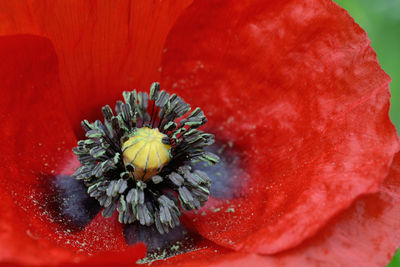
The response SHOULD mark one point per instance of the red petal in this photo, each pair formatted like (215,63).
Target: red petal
(36,136)
(103,47)
(297,89)
(19,243)
(366,234)
(36,142)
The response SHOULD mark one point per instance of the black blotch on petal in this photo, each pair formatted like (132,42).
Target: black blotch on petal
(161,246)
(137,233)
(69,203)
(228,175)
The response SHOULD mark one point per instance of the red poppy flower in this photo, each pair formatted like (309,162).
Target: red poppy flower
(292,91)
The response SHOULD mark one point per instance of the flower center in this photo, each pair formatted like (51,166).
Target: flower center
(146,151)
(140,160)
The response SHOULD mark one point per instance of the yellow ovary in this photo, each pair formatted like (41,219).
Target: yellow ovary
(146,152)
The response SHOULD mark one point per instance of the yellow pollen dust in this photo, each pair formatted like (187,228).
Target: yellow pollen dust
(146,152)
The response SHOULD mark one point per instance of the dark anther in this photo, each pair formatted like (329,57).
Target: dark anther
(134,160)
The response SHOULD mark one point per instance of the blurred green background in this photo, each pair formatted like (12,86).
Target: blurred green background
(381,20)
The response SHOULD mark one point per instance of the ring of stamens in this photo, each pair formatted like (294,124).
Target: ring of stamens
(134,161)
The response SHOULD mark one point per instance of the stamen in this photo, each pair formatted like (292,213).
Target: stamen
(132,161)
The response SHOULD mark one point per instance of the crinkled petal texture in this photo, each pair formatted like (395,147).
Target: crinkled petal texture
(297,89)
(363,235)
(293,87)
